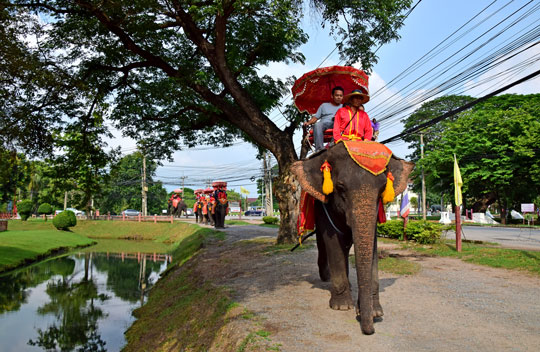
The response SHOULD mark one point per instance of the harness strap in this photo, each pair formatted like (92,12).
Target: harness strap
(331,222)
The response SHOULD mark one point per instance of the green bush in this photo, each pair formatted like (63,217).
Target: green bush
(424,232)
(65,220)
(391,229)
(45,208)
(270,220)
(24,209)
(420,231)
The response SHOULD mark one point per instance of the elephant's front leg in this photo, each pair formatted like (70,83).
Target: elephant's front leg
(341,298)
(364,222)
(337,256)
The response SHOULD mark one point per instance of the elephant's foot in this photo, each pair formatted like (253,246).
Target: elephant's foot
(377,310)
(341,302)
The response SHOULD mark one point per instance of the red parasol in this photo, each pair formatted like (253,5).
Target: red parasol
(315,87)
(198,191)
(208,191)
(178,190)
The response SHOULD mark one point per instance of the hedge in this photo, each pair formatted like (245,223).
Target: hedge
(420,231)
(270,219)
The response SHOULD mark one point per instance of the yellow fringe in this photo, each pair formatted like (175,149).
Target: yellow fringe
(328,185)
(389,194)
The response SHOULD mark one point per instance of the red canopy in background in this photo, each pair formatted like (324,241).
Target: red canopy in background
(178,190)
(315,87)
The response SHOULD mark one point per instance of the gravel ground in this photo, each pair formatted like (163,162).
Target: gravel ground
(449,306)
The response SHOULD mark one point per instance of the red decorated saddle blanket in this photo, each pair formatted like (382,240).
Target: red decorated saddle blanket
(306,216)
(371,156)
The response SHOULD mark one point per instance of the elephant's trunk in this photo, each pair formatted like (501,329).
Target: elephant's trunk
(363,220)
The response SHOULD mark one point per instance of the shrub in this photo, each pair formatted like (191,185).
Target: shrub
(391,229)
(46,209)
(420,231)
(270,220)
(65,220)
(24,209)
(424,232)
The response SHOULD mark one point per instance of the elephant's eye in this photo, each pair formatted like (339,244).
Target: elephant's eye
(340,186)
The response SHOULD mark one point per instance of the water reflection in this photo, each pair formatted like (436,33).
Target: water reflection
(81,302)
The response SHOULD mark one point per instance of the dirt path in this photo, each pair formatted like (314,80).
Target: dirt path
(449,306)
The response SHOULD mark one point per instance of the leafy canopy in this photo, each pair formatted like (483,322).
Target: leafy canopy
(185,72)
(496,144)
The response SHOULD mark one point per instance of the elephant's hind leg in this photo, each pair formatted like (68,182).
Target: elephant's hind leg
(377,308)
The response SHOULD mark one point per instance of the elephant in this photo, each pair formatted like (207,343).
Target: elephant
(220,212)
(352,209)
(178,209)
(181,207)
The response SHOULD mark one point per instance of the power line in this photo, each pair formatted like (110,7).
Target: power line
(460,109)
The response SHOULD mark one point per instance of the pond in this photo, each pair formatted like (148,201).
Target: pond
(79,302)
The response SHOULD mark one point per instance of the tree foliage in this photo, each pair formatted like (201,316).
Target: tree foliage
(123,188)
(178,72)
(497,147)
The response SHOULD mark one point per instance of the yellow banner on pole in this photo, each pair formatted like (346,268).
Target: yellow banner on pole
(243,190)
(458,182)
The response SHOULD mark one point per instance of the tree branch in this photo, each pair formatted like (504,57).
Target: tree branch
(113,27)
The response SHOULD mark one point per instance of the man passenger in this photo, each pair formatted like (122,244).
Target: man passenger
(324,117)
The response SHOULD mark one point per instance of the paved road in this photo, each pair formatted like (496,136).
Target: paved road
(506,237)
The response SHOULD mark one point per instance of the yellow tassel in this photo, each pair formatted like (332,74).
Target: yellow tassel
(389,194)
(328,185)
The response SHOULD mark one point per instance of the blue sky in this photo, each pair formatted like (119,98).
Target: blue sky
(426,27)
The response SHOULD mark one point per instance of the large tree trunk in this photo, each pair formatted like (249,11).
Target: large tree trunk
(286,190)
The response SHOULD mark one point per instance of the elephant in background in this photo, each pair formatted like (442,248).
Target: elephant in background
(221,210)
(178,209)
(352,208)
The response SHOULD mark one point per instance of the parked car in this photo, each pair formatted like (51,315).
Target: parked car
(189,212)
(131,212)
(75,211)
(254,213)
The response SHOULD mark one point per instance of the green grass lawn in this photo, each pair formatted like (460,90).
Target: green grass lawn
(28,241)
(483,254)
(18,247)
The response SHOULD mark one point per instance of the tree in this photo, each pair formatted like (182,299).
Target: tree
(414,202)
(25,209)
(83,159)
(46,209)
(123,188)
(496,144)
(186,71)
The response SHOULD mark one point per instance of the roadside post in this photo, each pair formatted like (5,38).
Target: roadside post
(458,182)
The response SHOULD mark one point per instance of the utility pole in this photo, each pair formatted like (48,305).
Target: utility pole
(183,178)
(267,186)
(65,200)
(423,178)
(144,187)
(269,197)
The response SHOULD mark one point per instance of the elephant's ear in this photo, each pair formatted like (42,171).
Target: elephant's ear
(310,177)
(401,170)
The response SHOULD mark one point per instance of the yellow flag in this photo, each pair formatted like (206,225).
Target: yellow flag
(457,183)
(243,190)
